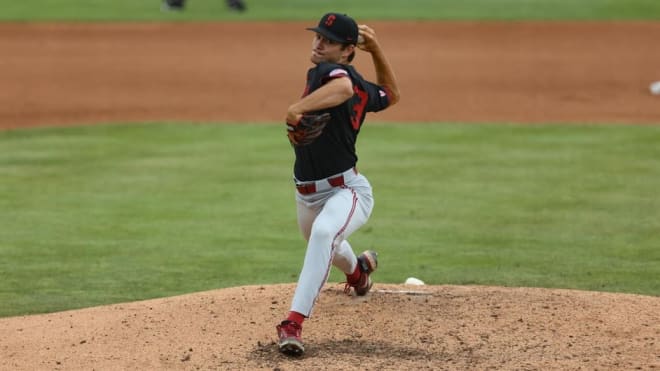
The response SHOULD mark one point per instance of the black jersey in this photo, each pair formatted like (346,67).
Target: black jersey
(334,151)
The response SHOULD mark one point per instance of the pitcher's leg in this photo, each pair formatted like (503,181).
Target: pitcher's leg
(345,259)
(340,217)
(306,216)
(314,272)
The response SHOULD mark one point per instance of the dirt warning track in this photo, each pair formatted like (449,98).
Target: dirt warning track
(60,74)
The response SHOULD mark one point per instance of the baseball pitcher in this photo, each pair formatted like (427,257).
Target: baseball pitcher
(333,198)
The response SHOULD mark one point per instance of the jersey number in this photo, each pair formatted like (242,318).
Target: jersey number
(358,108)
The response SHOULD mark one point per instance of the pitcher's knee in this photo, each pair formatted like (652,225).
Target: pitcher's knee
(324,236)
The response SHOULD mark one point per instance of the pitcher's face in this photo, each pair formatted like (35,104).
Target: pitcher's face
(326,50)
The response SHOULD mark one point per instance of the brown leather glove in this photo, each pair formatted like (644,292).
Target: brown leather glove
(307,129)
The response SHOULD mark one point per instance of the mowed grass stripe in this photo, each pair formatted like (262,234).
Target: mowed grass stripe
(109,213)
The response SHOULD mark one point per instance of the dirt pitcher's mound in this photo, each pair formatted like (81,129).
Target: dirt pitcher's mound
(394,327)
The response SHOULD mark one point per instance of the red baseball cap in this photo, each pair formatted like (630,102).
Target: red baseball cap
(337,27)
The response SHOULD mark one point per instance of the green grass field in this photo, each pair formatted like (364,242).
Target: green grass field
(101,214)
(112,213)
(210,10)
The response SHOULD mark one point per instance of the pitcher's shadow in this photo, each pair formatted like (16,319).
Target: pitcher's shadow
(356,348)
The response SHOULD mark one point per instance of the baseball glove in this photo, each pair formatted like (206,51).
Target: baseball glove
(307,129)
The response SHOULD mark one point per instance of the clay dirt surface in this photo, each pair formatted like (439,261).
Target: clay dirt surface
(521,72)
(394,327)
(525,72)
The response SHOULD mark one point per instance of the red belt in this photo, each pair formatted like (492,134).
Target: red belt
(308,188)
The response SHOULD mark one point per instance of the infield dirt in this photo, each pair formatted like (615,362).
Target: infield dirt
(61,74)
(65,74)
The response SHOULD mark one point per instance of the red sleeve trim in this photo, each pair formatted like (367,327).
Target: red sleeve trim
(388,92)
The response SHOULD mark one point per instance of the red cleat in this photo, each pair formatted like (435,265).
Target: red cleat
(367,263)
(290,342)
